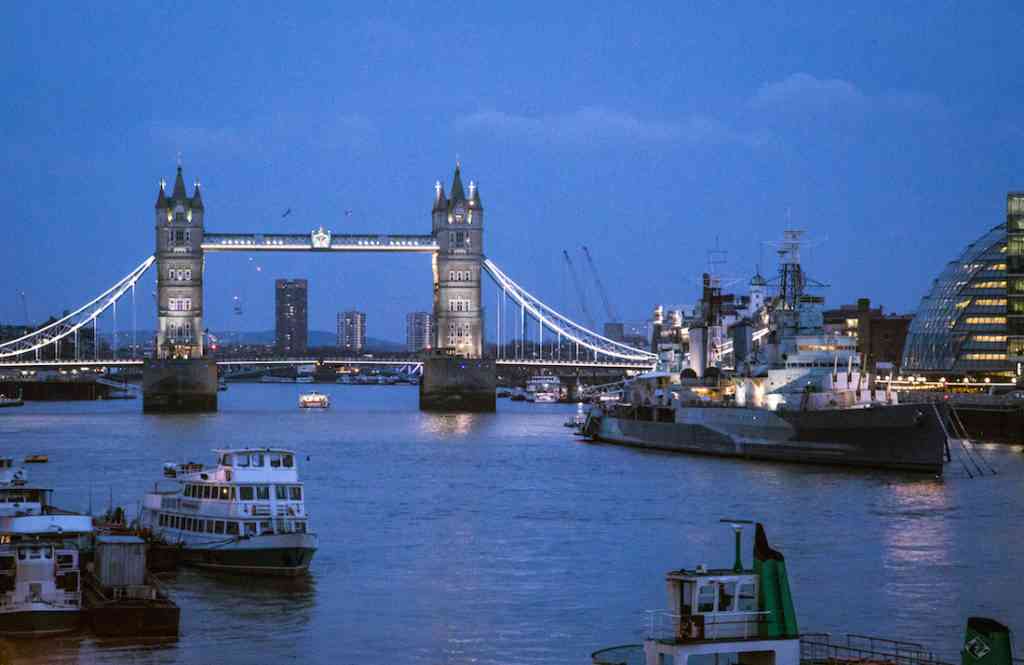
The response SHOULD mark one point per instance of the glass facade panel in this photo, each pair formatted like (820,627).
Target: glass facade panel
(964,304)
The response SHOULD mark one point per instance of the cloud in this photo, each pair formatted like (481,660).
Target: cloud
(802,92)
(285,128)
(599,124)
(805,91)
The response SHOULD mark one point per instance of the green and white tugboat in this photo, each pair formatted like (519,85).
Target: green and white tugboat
(745,616)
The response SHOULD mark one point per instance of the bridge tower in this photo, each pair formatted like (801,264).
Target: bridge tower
(456,376)
(178,378)
(458,224)
(179,266)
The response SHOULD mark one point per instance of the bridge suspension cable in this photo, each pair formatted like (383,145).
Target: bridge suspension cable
(562,326)
(70,324)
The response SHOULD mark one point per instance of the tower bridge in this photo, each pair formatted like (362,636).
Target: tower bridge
(456,373)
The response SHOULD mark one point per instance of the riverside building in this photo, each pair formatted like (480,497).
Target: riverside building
(419,331)
(292,325)
(970,326)
(352,331)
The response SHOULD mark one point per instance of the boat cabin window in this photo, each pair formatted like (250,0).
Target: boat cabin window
(6,563)
(686,598)
(209,526)
(257,459)
(232,528)
(226,460)
(300,527)
(275,461)
(281,492)
(295,493)
(265,527)
(243,460)
(245,493)
(288,461)
(706,598)
(747,598)
(22,553)
(225,493)
(65,560)
(207,492)
(726,596)
(263,492)
(218,526)
(250,528)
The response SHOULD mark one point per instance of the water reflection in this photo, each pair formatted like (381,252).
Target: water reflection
(460,424)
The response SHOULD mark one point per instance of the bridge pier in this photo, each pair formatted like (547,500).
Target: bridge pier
(179,386)
(451,383)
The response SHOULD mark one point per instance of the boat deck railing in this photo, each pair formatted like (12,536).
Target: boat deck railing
(819,648)
(624,654)
(665,625)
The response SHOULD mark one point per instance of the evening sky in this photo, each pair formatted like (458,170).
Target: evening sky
(890,131)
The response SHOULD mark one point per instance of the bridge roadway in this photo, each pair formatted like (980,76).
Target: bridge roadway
(389,362)
(312,242)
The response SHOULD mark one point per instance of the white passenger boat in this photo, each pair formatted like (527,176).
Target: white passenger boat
(40,588)
(543,389)
(247,514)
(314,400)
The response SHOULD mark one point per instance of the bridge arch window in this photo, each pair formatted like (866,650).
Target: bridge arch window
(451,275)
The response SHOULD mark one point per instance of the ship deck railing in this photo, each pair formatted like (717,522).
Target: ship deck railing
(821,649)
(664,625)
(624,654)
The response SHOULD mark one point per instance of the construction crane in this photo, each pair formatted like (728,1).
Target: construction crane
(579,290)
(24,305)
(612,318)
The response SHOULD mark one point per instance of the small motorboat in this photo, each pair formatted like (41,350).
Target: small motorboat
(37,459)
(11,401)
(314,400)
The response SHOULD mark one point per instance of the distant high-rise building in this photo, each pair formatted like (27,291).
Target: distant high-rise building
(291,333)
(419,331)
(352,331)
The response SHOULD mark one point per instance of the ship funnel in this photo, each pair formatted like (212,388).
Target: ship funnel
(775,599)
(986,642)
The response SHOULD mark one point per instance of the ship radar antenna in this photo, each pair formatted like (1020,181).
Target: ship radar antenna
(737,527)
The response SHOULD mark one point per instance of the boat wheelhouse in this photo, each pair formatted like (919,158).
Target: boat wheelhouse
(40,586)
(745,616)
(246,514)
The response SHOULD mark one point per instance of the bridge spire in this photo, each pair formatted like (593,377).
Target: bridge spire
(197,199)
(179,187)
(161,200)
(474,196)
(457,192)
(440,202)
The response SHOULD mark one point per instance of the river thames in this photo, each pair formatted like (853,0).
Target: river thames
(501,538)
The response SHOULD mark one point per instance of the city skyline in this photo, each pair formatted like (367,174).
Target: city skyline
(872,148)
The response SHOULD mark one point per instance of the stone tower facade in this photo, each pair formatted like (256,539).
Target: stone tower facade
(179,265)
(458,228)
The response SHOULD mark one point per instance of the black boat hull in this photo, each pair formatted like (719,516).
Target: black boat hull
(899,437)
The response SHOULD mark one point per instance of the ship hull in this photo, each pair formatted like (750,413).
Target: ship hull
(39,622)
(280,554)
(899,437)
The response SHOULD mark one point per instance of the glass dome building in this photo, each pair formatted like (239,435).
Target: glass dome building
(960,328)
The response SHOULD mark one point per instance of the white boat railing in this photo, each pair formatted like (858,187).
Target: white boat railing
(663,624)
